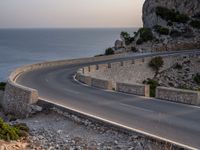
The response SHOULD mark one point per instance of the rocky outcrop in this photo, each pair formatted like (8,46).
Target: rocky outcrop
(167,25)
(150,18)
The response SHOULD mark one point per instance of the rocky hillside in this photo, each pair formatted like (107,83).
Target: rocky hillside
(167,25)
(189,8)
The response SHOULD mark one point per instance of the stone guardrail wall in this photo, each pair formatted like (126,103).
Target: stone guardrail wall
(129,71)
(88,76)
(18,99)
(136,89)
(114,76)
(178,95)
(124,76)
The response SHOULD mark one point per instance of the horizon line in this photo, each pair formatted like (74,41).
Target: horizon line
(67,27)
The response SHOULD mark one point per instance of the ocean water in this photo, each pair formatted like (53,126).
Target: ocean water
(26,46)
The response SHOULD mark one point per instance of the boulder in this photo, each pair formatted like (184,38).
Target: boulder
(118,44)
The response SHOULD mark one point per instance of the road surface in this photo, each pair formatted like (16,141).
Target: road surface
(176,122)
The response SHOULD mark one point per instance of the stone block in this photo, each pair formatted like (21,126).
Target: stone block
(115,65)
(92,68)
(85,70)
(136,89)
(178,95)
(104,84)
(102,67)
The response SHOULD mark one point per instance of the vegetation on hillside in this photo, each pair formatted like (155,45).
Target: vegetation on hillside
(145,35)
(156,63)
(153,85)
(8,132)
(161,30)
(195,24)
(109,51)
(171,15)
(127,37)
(197,78)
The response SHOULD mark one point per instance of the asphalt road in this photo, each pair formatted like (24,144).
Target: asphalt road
(176,122)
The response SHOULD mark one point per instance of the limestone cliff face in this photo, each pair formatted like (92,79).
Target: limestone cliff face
(150,19)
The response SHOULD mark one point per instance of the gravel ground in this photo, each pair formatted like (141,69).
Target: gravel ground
(50,130)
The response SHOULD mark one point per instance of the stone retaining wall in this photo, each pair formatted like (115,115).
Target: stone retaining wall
(18,99)
(178,95)
(99,83)
(127,76)
(130,71)
(136,89)
(134,72)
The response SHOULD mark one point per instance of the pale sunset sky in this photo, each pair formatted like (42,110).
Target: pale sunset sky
(70,13)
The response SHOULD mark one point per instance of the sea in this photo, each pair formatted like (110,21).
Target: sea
(20,47)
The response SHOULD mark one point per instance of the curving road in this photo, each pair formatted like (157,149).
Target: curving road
(175,122)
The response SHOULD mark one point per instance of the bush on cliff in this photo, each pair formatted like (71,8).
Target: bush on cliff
(153,85)
(2,86)
(8,132)
(145,35)
(197,78)
(109,51)
(156,63)
(195,24)
(126,36)
(161,30)
(171,15)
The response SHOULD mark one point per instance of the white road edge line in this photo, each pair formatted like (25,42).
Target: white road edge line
(148,98)
(122,126)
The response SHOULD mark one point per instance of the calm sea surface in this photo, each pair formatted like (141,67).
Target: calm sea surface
(25,46)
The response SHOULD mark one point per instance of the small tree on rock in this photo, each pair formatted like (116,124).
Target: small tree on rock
(109,51)
(156,63)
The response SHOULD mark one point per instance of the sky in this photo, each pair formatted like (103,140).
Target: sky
(70,13)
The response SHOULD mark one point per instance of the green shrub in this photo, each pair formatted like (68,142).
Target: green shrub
(126,36)
(171,15)
(145,35)
(197,78)
(195,24)
(2,86)
(109,51)
(7,132)
(156,63)
(153,85)
(178,66)
(161,30)
(139,41)
(14,132)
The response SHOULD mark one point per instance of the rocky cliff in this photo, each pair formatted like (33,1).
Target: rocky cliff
(167,25)
(191,8)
